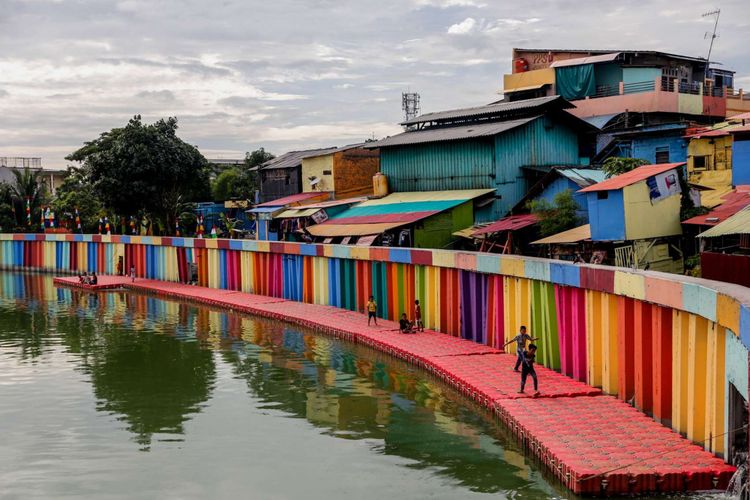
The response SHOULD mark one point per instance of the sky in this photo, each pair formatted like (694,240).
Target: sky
(298,74)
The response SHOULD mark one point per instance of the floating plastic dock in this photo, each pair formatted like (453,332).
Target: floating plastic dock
(593,443)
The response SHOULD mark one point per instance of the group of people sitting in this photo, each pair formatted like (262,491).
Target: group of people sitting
(408,326)
(87,279)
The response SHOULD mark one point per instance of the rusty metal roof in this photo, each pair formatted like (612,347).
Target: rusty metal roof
(498,109)
(295,199)
(510,223)
(450,133)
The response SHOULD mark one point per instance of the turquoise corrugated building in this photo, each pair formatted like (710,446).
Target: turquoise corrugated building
(485,148)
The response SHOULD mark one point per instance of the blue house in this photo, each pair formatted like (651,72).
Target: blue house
(662,143)
(485,148)
(741,155)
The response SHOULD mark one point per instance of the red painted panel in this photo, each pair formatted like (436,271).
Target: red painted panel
(421,257)
(598,279)
(625,347)
(222,244)
(642,359)
(661,360)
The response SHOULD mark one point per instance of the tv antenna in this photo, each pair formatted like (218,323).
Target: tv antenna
(410,104)
(713,35)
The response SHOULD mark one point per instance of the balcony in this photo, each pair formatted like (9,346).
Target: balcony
(663,95)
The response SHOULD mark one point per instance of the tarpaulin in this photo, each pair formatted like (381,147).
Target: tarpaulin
(575,82)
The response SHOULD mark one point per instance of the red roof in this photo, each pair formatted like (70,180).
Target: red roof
(734,201)
(510,223)
(629,178)
(295,198)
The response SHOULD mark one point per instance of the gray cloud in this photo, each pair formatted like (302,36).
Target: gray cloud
(297,74)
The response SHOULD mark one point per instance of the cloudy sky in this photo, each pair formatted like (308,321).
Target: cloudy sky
(287,74)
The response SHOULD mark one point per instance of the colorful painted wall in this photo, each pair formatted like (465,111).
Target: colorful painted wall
(671,344)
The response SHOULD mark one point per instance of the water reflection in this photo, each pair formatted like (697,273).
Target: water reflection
(155,365)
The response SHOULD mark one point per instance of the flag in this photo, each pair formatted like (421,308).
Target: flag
(41,216)
(101,225)
(106,226)
(200,226)
(177,227)
(78,220)
(132,225)
(28,211)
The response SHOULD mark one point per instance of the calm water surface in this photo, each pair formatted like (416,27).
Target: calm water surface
(127,396)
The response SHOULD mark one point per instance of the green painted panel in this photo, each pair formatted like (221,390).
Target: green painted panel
(544,323)
(437,231)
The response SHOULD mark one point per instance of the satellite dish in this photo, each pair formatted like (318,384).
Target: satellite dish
(314,181)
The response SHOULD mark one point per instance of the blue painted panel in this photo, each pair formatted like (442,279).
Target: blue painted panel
(235,244)
(699,300)
(487,263)
(741,162)
(562,184)
(745,326)
(307,249)
(645,148)
(537,270)
(606,216)
(400,255)
(608,74)
(565,274)
(638,75)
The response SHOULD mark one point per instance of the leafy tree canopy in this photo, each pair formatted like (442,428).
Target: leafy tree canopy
(77,193)
(227,185)
(144,168)
(615,166)
(558,216)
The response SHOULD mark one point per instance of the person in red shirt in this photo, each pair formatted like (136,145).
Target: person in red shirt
(419,325)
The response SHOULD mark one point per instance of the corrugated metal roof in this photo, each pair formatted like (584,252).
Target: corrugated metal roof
(450,133)
(333,230)
(585,60)
(335,149)
(288,160)
(739,223)
(292,199)
(621,51)
(499,108)
(583,177)
(417,196)
(733,202)
(599,121)
(263,210)
(510,223)
(293,213)
(629,178)
(580,233)
(404,217)
(335,203)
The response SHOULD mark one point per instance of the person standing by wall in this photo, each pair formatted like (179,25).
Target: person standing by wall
(520,341)
(372,311)
(418,324)
(527,369)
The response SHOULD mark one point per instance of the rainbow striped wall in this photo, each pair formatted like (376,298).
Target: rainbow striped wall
(671,343)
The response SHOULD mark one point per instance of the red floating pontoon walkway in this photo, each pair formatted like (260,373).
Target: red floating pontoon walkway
(593,443)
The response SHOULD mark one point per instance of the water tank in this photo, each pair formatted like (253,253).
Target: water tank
(379,185)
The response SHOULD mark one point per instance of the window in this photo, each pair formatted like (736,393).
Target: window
(700,162)
(326,172)
(662,154)
(602,195)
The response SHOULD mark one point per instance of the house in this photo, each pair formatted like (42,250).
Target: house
(606,82)
(710,161)
(485,148)
(727,250)
(425,219)
(559,179)
(268,225)
(655,143)
(281,176)
(638,212)
(52,178)
(346,172)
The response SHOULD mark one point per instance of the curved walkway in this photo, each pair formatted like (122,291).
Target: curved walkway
(593,443)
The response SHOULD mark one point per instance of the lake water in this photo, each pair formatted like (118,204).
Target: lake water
(118,395)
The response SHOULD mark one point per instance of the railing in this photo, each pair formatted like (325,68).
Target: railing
(638,87)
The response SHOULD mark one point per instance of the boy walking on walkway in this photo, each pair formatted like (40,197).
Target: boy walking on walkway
(520,341)
(528,369)
(372,310)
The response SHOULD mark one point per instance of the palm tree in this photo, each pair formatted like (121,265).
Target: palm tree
(28,186)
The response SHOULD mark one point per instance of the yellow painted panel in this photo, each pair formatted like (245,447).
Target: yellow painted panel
(690,104)
(610,361)
(443,259)
(528,79)
(314,167)
(663,216)
(321,280)
(213,268)
(715,404)
(728,312)
(630,285)
(517,307)
(246,268)
(328,251)
(433,297)
(680,335)
(360,253)
(212,243)
(594,338)
(512,266)
(696,378)
(263,246)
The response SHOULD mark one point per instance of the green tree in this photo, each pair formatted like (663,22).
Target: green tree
(145,168)
(76,192)
(8,220)
(27,185)
(558,216)
(227,185)
(248,182)
(615,166)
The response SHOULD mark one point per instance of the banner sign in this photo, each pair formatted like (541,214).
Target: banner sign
(663,185)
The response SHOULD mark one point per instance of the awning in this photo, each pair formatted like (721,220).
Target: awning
(575,235)
(333,230)
(264,210)
(294,213)
(522,89)
(510,223)
(469,231)
(296,199)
